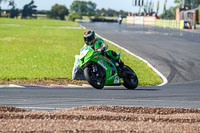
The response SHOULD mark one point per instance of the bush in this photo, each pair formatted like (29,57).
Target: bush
(74,16)
(58,12)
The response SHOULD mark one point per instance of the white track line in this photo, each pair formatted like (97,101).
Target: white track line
(165,81)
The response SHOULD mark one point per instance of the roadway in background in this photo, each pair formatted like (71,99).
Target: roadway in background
(175,53)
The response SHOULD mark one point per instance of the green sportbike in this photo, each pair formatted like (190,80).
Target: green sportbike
(101,71)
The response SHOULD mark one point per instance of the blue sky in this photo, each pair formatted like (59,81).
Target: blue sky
(113,4)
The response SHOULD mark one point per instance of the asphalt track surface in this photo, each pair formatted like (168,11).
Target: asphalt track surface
(174,53)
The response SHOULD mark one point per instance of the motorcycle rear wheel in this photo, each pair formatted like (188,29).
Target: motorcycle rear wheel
(130,81)
(95,79)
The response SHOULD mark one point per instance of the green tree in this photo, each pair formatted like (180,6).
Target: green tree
(178,3)
(158,6)
(169,14)
(91,8)
(123,13)
(79,7)
(165,7)
(100,12)
(13,11)
(58,12)
(111,13)
(83,7)
(3,1)
(29,10)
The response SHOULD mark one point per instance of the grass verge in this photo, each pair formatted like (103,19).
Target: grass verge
(35,22)
(29,49)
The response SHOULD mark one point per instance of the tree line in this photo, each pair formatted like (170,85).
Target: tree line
(27,11)
(77,10)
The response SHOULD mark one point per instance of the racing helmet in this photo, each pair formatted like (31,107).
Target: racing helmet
(89,36)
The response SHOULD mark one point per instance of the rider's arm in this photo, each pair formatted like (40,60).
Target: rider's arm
(100,45)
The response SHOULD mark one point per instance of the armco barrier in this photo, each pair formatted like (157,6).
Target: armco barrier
(130,20)
(141,20)
(155,22)
(149,20)
(170,24)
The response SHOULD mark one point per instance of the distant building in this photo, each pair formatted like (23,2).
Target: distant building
(189,11)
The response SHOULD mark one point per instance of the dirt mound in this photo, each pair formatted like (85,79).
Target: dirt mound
(44,81)
(100,119)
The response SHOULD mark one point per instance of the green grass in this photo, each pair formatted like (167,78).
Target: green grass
(145,74)
(33,51)
(36,22)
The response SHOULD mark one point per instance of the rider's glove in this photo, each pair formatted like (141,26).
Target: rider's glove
(100,50)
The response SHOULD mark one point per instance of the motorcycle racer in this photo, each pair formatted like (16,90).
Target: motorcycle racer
(100,46)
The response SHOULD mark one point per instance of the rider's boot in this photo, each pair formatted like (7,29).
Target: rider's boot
(121,64)
(120,67)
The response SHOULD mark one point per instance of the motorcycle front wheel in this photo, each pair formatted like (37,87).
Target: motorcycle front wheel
(131,80)
(95,76)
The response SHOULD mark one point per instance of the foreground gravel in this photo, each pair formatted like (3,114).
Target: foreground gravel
(101,119)
(43,81)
